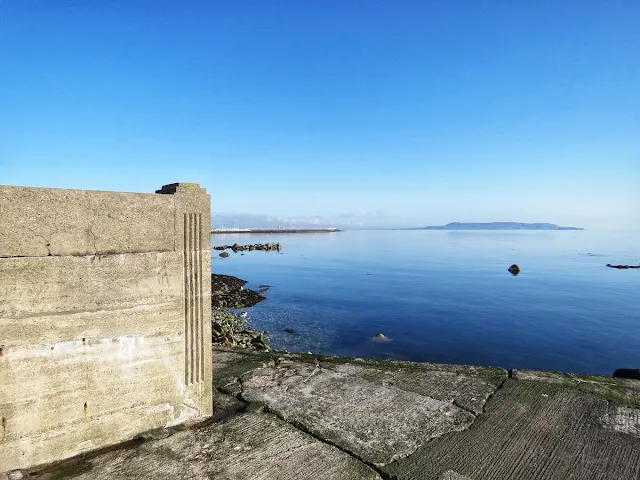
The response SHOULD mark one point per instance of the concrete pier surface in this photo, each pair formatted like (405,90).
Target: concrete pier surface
(303,416)
(273,230)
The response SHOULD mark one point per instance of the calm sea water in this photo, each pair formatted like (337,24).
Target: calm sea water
(446,296)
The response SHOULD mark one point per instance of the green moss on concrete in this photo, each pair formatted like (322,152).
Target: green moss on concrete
(66,471)
(253,359)
(620,391)
(492,375)
(233,370)
(617,394)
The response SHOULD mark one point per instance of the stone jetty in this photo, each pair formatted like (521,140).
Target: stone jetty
(267,247)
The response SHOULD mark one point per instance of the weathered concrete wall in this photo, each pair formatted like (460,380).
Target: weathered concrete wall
(104,317)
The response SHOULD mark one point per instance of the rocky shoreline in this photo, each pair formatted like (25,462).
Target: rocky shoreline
(229,328)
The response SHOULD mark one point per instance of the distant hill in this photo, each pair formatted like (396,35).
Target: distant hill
(499,226)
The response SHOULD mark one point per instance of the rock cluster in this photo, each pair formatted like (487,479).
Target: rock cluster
(228,328)
(229,292)
(267,247)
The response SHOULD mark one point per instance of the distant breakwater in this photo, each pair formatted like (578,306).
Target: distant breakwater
(273,230)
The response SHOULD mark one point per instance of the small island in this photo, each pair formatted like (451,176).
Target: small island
(499,226)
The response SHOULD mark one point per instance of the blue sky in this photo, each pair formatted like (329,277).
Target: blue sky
(380,113)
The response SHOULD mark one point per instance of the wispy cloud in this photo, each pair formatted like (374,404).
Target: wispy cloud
(245,220)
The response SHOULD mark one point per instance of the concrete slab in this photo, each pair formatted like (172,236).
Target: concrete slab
(377,414)
(225,406)
(451,475)
(229,367)
(391,420)
(255,446)
(538,430)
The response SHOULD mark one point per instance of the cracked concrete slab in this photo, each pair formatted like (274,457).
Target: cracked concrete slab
(255,446)
(466,391)
(340,418)
(538,430)
(226,406)
(378,415)
(451,475)
(623,419)
(229,367)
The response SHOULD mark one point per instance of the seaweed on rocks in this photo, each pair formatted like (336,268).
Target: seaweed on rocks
(231,329)
(229,292)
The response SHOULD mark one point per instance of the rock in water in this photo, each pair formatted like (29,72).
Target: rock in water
(289,330)
(514,269)
(224,254)
(380,336)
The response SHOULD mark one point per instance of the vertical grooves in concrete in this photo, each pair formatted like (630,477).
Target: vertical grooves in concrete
(187,302)
(194,297)
(196,312)
(192,303)
(197,315)
(200,274)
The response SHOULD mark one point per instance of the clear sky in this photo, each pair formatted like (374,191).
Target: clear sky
(381,113)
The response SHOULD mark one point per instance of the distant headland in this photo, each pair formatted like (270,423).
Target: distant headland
(498,226)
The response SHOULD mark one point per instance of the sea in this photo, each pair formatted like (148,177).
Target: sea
(447,297)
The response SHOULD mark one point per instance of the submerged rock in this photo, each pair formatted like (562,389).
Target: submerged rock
(381,337)
(622,267)
(224,254)
(289,330)
(514,269)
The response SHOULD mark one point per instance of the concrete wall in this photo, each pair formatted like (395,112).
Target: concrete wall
(104,317)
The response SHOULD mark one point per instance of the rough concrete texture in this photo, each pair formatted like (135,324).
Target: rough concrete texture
(374,418)
(538,428)
(95,349)
(50,221)
(248,446)
(623,419)
(225,406)
(451,475)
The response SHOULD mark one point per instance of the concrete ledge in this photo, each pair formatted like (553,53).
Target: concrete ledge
(39,222)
